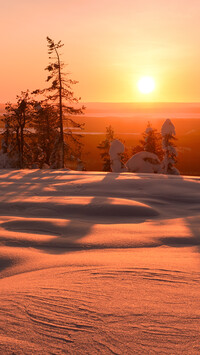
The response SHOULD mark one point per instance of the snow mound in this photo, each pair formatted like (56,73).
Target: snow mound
(143,162)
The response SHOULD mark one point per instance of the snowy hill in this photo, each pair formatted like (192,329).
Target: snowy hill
(95,262)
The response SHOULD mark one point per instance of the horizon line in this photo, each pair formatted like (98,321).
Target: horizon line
(133,102)
(140,102)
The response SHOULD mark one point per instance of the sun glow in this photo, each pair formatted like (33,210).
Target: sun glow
(146,84)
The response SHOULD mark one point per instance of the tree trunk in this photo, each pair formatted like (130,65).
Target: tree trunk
(61,126)
(62,159)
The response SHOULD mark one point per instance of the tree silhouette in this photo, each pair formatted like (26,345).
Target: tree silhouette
(60,95)
(46,136)
(104,147)
(150,142)
(17,119)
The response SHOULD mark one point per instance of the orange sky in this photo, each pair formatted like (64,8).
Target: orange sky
(109,45)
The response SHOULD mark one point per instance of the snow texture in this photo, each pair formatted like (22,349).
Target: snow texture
(144,162)
(99,263)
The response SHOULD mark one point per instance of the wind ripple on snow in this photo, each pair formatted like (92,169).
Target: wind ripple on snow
(63,310)
(102,209)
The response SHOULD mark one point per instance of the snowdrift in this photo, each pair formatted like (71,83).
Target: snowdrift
(99,263)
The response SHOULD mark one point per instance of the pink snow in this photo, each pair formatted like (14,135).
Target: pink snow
(98,262)
(144,162)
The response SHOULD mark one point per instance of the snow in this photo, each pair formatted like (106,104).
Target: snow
(170,149)
(168,128)
(170,152)
(116,148)
(94,262)
(144,162)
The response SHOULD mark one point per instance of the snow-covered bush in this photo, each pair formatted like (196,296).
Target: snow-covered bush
(144,162)
(170,153)
(115,151)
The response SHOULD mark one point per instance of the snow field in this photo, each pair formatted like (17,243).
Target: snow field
(99,263)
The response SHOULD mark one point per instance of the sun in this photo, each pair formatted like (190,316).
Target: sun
(146,84)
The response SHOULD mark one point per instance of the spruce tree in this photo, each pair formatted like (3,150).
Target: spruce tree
(104,147)
(5,161)
(46,137)
(17,137)
(60,95)
(150,142)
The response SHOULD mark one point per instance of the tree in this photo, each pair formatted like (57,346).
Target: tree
(5,138)
(151,142)
(60,95)
(116,150)
(16,119)
(104,147)
(169,148)
(46,136)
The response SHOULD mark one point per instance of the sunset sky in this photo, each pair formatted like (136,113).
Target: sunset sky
(109,46)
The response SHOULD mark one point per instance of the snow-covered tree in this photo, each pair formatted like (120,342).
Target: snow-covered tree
(104,146)
(61,97)
(150,142)
(146,156)
(169,148)
(115,152)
